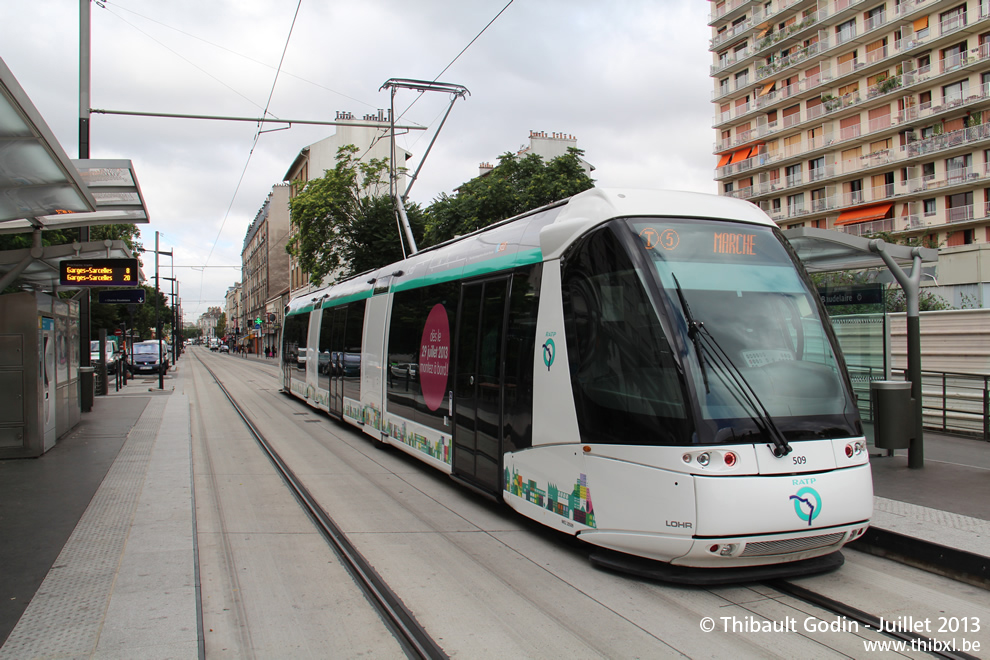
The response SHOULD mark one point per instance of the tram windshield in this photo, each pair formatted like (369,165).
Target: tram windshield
(751,331)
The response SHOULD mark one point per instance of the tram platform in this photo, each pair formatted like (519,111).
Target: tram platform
(97,537)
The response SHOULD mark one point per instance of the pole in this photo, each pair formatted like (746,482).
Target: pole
(911,284)
(85,332)
(158,322)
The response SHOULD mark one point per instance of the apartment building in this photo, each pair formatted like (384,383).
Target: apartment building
(861,116)
(265,270)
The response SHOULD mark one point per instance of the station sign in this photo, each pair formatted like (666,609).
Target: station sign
(853,294)
(99,272)
(122,296)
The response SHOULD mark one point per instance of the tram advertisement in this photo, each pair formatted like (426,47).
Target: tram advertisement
(434,357)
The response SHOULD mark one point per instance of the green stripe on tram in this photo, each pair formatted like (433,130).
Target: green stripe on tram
(493,265)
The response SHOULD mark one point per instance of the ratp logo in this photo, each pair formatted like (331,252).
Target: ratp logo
(549,351)
(807,504)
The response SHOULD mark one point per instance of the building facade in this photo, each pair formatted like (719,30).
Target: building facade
(265,267)
(370,136)
(862,116)
(234,311)
(208,322)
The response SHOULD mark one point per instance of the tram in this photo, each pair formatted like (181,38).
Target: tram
(650,371)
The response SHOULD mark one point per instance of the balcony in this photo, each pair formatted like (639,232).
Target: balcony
(767,70)
(724,9)
(960,214)
(951,140)
(952,24)
(730,33)
(868,228)
(729,60)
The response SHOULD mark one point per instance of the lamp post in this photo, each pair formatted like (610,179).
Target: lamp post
(158,319)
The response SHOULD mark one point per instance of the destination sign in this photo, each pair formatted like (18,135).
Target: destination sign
(99,272)
(122,297)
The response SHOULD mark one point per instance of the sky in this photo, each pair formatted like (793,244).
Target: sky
(628,78)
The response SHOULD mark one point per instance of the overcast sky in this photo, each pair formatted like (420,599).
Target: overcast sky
(628,78)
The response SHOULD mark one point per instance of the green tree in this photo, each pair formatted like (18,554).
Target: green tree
(373,240)
(345,221)
(221,328)
(514,186)
(111,316)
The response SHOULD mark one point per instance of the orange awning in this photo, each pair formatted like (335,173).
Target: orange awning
(741,154)
(921,24)
(863,214)
(724,160)
(768,87)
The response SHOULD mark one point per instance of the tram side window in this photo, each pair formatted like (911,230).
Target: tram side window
(627,388)
(520,344)
(410,310)
(294,340)
(323,349)
(352,349)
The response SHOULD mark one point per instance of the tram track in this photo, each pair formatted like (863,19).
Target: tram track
(870,621)
(413,637)
(787,592)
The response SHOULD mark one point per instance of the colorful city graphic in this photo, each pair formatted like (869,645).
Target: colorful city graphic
(574,505)
(439,449)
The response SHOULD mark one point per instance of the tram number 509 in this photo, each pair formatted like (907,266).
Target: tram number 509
(800,460)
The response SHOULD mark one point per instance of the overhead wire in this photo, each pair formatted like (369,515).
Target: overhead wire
(118,5)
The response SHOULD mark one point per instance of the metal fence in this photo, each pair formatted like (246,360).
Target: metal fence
(951,402)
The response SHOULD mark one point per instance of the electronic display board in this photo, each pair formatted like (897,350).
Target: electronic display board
(99,272)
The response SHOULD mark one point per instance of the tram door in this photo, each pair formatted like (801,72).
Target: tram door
(478,393)
(333,357)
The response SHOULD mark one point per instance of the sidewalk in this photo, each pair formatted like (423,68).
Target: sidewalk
(123,583)
(937,517)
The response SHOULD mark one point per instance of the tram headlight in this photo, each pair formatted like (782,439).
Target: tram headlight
(704,459)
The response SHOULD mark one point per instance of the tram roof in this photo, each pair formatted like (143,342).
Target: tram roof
(537,235)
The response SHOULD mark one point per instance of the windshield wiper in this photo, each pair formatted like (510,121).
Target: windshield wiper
(694,328)
(707,346)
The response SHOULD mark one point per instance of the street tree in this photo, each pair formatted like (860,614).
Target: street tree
(345,222)
(514,186)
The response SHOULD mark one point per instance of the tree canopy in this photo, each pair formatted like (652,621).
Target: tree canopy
(344,220)
(346,223)
(514,186)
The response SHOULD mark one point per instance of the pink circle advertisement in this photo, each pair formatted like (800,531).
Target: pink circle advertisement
(434,357)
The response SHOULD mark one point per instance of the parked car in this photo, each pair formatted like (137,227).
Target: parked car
(146,357)
(224,348)
(113,354)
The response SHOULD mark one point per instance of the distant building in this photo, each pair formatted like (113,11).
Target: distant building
(234,311)
(370,136)
(863,118)
(547,146)
(208,321)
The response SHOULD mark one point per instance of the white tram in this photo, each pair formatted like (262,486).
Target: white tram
(647,370)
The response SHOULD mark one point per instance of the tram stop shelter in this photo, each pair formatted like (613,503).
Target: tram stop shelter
(42,336)
(824,250)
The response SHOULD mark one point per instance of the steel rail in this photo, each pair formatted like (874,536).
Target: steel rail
(870,621)
(416,641)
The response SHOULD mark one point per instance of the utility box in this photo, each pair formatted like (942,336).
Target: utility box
(39,372)
(893,414)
